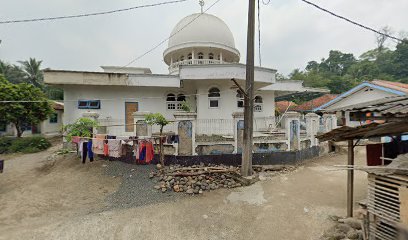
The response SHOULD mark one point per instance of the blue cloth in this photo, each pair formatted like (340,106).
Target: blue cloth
(142,155)
(90,153)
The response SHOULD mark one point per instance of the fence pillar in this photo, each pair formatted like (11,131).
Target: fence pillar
(292,129)
(330,122)
(312,127)
(142,129)
(238,131)
(186,131)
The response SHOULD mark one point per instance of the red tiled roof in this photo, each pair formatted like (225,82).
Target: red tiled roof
(403,87)
(281,106)
(314,103)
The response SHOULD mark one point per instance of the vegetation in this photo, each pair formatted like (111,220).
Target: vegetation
(23,145)
(36,109)
(29,72)
(158,119)
(342,71)
(83,127)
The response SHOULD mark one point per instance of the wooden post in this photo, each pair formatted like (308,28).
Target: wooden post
(350,179)
(246,169)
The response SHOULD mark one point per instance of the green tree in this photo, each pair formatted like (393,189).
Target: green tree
(33,72)
(158,119)
(82,127)
(22,104)
(12,73)
(401,60)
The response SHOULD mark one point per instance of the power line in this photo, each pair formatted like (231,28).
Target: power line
(351,21)
(90,14)
(259,35)
(166,39)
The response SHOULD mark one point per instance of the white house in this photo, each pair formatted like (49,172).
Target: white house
(364,92)
(49,127)
(201,58)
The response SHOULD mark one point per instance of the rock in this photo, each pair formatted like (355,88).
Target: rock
(164,190)
(151,175)
(354,223)
(171,181)
(190,191)
(352,234)
(195,191)
(157,187)
(200,191)
(176,188)
(343,228)
(159,166)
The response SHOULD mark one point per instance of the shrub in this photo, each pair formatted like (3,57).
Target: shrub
(5,143)
(24,145)
(82,128)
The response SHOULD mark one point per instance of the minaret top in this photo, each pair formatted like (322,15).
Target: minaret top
(201,2)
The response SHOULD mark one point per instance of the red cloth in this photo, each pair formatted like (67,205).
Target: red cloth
(149,152)
(75,139)
(105,149)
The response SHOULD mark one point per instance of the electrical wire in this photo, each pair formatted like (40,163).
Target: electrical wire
(351,21)
(259,35)
(166,39)
(90,14)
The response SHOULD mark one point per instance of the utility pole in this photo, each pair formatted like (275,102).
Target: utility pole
(246,166)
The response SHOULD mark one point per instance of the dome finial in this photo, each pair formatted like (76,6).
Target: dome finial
(201,2)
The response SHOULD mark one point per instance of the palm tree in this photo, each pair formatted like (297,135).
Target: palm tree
(33,72)
(12,73)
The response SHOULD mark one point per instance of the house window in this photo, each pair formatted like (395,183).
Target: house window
(190,56)
(180,99)
(89,104)
(210,56)
(182,58)
(171,101)
(213,97)
(54,118)
(258,104)
(240,99)
(200,55)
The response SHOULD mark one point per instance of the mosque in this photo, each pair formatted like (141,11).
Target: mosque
(202,59)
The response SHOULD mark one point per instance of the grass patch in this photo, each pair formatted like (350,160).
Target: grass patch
(23,145)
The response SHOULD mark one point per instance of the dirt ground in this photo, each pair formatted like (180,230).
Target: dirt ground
(45,197)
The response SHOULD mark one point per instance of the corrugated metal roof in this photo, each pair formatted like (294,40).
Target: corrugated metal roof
(389,105)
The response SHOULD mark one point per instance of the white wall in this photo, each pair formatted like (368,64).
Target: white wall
(228,101)
(47,127)
(361,96)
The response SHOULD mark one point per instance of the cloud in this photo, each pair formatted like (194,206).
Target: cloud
(293,32)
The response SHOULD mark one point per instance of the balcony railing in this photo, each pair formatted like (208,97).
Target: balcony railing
(175,66)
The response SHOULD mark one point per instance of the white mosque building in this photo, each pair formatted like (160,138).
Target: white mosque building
(201,58)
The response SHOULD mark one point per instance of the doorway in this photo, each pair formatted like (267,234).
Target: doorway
(130,108)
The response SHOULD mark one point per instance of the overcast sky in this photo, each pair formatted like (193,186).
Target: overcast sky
(293,32)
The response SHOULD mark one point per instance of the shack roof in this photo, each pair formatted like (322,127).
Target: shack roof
(388,105)
(365,131)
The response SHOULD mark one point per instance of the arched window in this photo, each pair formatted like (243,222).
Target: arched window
(240,99)
(180,99)
(171,101)
(210,56)
(182,58)
(213,97)
(200,55)
(190,56)
(258,104)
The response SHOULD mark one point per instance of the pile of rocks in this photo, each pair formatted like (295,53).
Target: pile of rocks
(199,178)
(345,228)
